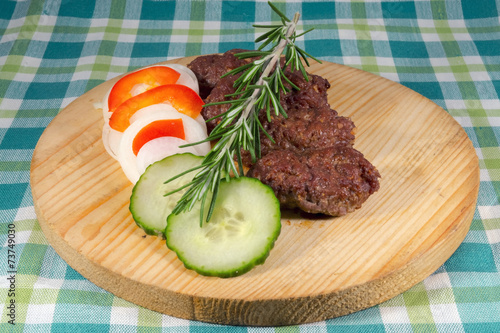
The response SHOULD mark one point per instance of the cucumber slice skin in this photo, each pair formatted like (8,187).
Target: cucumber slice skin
(207,257)
(148,205)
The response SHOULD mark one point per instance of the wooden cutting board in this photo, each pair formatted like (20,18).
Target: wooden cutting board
(320,267)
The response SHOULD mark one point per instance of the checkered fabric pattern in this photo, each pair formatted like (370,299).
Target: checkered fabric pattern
(54,51)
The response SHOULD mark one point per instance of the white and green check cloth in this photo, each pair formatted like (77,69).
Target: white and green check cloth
(54,51)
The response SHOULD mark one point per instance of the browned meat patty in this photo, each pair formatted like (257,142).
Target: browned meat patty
(312,92)
(335,180)
(218,94)
(208,69)
(307,128)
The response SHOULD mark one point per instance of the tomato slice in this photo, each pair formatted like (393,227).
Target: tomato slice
(156,129)
(184,99)
(150,77)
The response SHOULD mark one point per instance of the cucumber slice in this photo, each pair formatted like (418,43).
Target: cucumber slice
(246,222)
(148,205)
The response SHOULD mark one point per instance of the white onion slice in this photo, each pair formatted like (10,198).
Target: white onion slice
(148,110)
(168,110)
(187,78)
(111,140)
(139,89)
(105,109)
(201,121)
(192,130)
(163,107)
(159,148)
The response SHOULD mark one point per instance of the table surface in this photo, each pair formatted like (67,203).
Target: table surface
(54,51)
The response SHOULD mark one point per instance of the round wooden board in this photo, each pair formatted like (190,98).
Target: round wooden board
(320,268)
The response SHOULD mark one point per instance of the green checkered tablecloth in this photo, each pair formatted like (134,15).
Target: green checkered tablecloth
(54,51)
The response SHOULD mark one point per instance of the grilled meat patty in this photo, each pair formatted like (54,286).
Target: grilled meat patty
(334,180)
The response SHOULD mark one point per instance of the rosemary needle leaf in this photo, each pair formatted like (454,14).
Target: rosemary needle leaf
(307,55)
(272,37)
(182,174)
(290,82)
(231,166)
(177,190)
(226,102)
(194,143)
(277,11)
(237,70)
(303,33)
(263,130)
(251,54)
(303,70)
(267,26)
(240,162)
(266,35)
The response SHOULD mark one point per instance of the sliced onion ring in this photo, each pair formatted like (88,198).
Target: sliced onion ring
(159,148)
(111,140)
(187,78)
(168,109)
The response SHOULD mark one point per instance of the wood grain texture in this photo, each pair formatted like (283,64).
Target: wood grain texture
(320,267)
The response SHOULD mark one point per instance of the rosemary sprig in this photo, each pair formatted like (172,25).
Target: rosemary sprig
(258,88)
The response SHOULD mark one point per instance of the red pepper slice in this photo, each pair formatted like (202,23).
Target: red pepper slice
(151,77)
(182,98)
(157,129)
